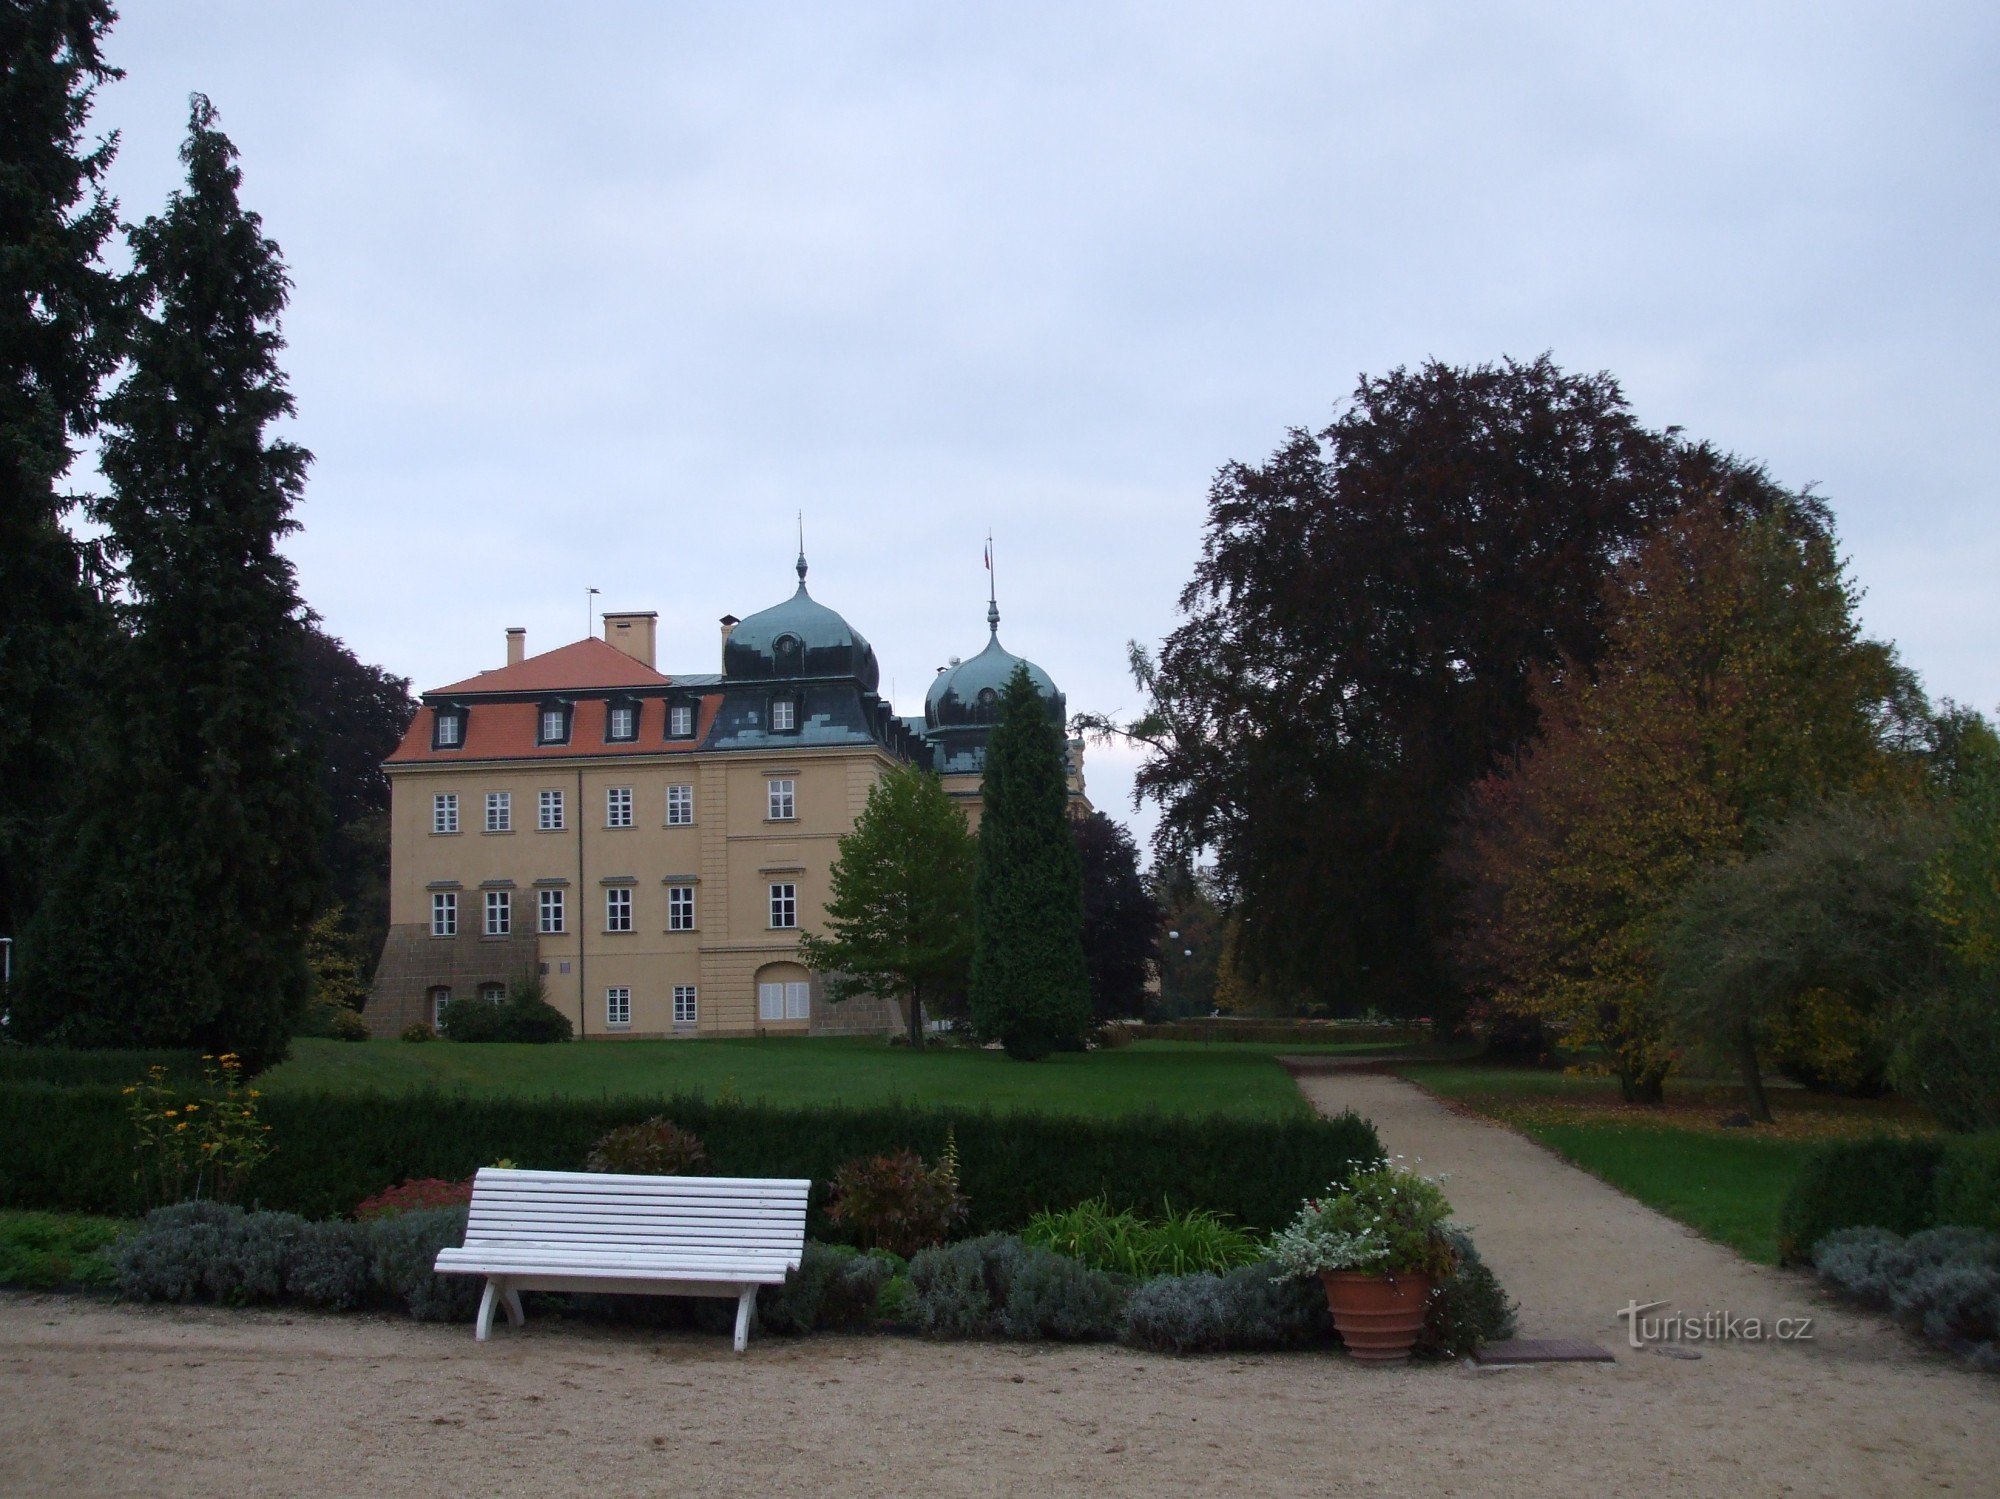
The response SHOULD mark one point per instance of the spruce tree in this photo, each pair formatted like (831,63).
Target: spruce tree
(58,341)
(1030,986)
(179,916)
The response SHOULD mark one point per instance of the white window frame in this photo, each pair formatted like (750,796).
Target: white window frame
(791,1000)
(499,913)
(440,996)
(680,908)
(499,811)
(680,721)
(629,712)
(618,806)
(560,718)
(687,1006)
(784,905)
(450,730)
(680,805)
(781,799)
(550,812)
(444,812)
(549,912)
(444,913)
(492,992)
(784,715)
(618,908)
(618,1007)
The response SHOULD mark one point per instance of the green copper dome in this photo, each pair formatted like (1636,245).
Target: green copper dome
(968,695)
(799,638)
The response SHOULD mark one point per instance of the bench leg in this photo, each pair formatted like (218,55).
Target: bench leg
(746,1303)
(485,1323)
(511,1300)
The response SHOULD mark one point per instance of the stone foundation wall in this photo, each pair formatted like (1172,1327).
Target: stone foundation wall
(414,962)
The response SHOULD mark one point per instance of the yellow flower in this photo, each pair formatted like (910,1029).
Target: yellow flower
(178,1127)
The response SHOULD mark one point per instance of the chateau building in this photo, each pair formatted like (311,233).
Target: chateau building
(655,842)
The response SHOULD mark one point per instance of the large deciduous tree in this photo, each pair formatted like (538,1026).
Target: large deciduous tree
(180,913)
(899,923)
(1030,985)
(59,309)
(1733,689)
(1121,919)
(1358,644)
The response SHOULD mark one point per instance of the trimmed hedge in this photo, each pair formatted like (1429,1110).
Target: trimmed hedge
(1905,1186)
(70,1149)
(1875,1183)
(63,1068)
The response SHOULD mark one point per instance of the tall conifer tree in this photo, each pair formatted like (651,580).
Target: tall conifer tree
(1030,986)
(180,915)
(58,327)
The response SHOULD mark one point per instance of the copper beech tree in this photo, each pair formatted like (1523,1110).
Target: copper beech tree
(1734,686)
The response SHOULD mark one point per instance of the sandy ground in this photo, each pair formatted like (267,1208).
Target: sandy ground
(97,1398)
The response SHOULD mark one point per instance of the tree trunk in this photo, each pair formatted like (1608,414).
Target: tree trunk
(916,1019)
(1647,1086)
(1753,1077)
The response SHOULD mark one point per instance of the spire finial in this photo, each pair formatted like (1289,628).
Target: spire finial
(992,596)
(802,549)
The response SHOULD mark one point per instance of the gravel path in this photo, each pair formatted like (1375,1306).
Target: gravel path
(104,1399)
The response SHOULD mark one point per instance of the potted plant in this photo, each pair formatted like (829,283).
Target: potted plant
(1378,1245)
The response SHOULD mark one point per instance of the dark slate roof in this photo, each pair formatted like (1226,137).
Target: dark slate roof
(800,638)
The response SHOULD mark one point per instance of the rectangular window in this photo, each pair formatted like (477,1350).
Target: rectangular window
(680,908)
(440,997)
(784,906)
(783,800)
(499,811)
(784,714)
(617,1006)
(551,903)
(551,819)
(444,913)
(449,730)
(791,1001)
(444,812)
(680,721)
(555,725)
(680,806)
(499,913)
(624,722)
(684,1004)
(618,807)
(618,909)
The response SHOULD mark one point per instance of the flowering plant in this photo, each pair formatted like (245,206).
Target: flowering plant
(1387,1220)
(201,1144)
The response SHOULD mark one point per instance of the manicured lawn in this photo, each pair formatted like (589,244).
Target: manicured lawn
(1172,1077)
(1724,1182)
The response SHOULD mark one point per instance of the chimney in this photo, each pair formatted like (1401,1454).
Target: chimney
(729,624)
(632,633)
(517,645)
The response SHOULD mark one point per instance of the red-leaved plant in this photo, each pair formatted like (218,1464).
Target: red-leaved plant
(896,1201)
(412,1196)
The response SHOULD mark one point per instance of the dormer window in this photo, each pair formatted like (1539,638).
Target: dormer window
(552,724)
(680,720)
(448,728)
(784,715)
(621,721)
(788,656)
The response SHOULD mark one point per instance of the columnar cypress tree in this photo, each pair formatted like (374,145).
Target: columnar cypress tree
(180,915)
(58,326)
(1030,986)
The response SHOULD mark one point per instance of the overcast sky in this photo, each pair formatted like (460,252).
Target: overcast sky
(601,295)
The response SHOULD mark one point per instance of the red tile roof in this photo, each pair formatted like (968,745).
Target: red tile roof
(506,731)
(571,668)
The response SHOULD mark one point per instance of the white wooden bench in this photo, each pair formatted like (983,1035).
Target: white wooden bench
(640,1235)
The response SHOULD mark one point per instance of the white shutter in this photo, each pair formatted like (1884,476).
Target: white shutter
(798,1001)
(770,1001)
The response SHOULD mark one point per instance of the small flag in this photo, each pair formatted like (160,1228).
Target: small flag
(989,556)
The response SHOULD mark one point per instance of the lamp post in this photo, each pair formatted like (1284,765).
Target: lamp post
(1166,995)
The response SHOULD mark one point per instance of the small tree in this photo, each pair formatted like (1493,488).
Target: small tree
(899,924)
(1121,919)
(1030,985)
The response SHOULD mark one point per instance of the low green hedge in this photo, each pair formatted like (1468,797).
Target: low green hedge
(61,1067)
(1905,1186)
(71,1149)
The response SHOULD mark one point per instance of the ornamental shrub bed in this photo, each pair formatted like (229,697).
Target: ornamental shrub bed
(71,1149)
(1943,1283)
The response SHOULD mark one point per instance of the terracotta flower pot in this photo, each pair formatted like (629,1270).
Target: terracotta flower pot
(1379,1316)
